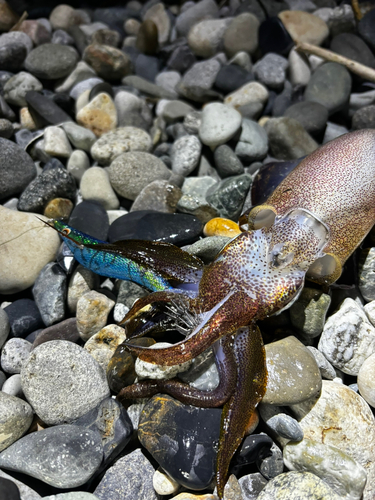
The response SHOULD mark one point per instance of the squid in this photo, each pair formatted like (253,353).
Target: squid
(307,228)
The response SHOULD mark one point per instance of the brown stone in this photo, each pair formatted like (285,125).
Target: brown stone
(8,18)
(108,62)
(38,33)
(59,208)
(147,38)
(304,27)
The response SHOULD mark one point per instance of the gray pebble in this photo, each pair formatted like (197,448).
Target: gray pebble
(147,87)
(207,248)
(282,424)
(168,81)
(77,164)
(80,73)
(205,9)
(6,128)
(185,154)
(253,142)
(219,123)
(198,81)
(159,195)
(65,374)
(80,137)
(16,37)
(272,465)
(15,418)
(228,195)
(4,326)
(192,122)
(50,61)
(14,354)
(270,70)
(130,477)
(25,492)
(251,485)
(49,293)
(325,367)
(227,162)
(64,456)
(12,386)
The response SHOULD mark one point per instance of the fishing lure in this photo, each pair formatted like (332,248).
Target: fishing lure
(308,227)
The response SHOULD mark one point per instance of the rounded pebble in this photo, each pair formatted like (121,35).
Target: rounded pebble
(51,61)
(95,186)
(14,354)
(219,124)
(221,227)
(366,380)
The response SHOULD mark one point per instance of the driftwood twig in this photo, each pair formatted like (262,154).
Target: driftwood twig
(361,70)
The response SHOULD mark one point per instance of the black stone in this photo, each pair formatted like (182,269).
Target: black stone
(99,88)
(12,56)
(66,103)
(44,110)
(194,432)
(9,490)
(17,169)
(226,161)
(231,77)
(283,100)
(53,183)
(269,177)
(147,67)
(181,59)
(90,218)
(179,229)
(111,422)
(52,163)
(255,447)
(273,37)
(353,47)
(271,464)
(65,258)
(33,335)
(366,28)
(24,317)
(311,115)
(6,111)
(65,330)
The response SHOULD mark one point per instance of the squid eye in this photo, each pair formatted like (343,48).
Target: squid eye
(66,231)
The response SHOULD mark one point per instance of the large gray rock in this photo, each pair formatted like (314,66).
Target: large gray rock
(17,169)
(62,381)
(51,61)
(15,418)
(64,456)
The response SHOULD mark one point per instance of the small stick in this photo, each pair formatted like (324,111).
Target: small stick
(355,67)
(356,9)
(17,26)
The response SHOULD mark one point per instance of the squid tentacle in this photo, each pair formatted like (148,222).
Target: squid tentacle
(226,364)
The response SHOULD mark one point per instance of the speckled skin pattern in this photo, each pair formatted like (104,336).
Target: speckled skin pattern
(337,184)
(326,205)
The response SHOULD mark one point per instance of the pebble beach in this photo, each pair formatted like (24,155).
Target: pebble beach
(165,122)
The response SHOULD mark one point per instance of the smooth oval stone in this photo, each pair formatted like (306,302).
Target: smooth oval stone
(111,421)
(280,423)
(231,77)
(24,317)
(91,218)
(343,474)
(341,418)
(219,124)
(185,154)
(311,115)
(108,62)
(194,432)
(81,281)
(50,61)
(92,313)
(49,292)
(179,229)
(52,183)
(58,208)
(130,477)
(95,186)
(64,456)
(12,386)
(253,448)
(17,169)
(163,484)
(297,485)
(293,375)
(241,35)
(65,330)
(62,381)
(15,418)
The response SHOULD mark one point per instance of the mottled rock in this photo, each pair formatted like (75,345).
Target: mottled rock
(62,381)
(159,195)
(64,456)
(309,312)
(17,169)
(271,71)
(205,38)
(18,85)
(366,380)
(290,382)
(99,115)
(228,195)
(14,354)
(50,61)
(108,62)
(253,95)
(251,485)
(92,313)
(185,154)
(219,123)
(121,140)
(24,317)
(49,293)
(15,418)
(103,344)
(366,273)
(4,326)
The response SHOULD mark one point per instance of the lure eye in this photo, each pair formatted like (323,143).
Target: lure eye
(66,231)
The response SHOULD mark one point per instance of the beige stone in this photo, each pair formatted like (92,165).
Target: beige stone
(103,344)
(304,27)
(26,246)
(99,115)
(250,93)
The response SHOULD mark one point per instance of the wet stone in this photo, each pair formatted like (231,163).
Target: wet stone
(272,465)
(16,416)
(65,330)
(50,184)
(251,485)
(309,312)
(92,313)
(280,423)
(65,374)
(254,447)
(131,477)
(14,354)
(17,169)
(228,195)
(194,432)
(290,382)
(326,369)
(24,317)
(207,248)
(63,456)
(111,422)
(179,229)
(49,293)
(91,218)
(50,61)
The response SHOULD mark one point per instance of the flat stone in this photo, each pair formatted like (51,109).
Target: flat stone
(348,327)
(80,137)
(341,418)
(30,242)
(103,344)
(65,330)
(50,61)
(63,456)
(147,87)
(219,124)
(198,81)
(44,110)
(343,474)
(319,88)
(17,169)
(288,139)
(290,382)
(52,183)
(292,485)
(18,85)
(130,172)
(304,27)
(205,9)
(65,374)
(80,73)
(309,312)
(121,140)
(99,115)
(131,477)
(242,35)
(15,416)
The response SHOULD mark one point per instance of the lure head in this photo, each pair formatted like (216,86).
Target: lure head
(70,235)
